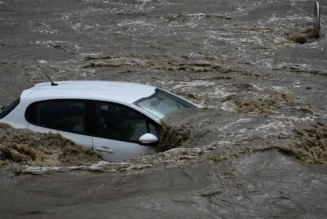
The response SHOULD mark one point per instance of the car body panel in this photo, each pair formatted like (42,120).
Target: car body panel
(95,90)
(123,93)
(83,140)
(120,150)
(16,117)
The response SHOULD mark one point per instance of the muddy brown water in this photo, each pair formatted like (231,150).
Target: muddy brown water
(257,150)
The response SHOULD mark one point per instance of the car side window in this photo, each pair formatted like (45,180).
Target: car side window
(121,123)
(62,115)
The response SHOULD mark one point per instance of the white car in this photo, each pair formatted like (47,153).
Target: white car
(118,120)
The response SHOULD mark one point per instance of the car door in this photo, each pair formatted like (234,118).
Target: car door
(66,117)
(119,130)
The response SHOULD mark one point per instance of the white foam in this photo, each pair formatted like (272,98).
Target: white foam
(45,170)
(195,83)
(220,94)
(99,165)
(43,62)
(278,88)
(238,121)
(134,23)
(229,106)
(297,119)
(273,128)
(91,54)
(289,18)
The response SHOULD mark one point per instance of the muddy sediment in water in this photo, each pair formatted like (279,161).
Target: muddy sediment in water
(304,35)
(263,104)
(255,150)
(172,137)
(309,145)
(203,172)
(25,147)
(181,139)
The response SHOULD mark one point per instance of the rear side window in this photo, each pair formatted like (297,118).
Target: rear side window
(9,108)
(62,115)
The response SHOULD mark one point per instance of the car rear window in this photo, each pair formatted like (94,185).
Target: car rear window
(9,108)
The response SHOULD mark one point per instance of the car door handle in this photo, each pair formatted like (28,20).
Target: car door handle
(104,149)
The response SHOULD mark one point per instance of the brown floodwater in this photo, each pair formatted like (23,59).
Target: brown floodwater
(256,149)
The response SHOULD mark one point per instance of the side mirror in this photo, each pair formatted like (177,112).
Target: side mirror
(148,139)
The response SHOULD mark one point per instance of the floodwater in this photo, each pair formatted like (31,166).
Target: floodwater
(257,149)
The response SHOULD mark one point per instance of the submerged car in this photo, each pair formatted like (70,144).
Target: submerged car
(118,120)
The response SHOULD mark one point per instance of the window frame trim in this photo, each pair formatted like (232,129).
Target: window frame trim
(54,100)
(147,119)
(92,104)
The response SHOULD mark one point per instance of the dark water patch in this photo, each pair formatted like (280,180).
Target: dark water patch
(24,52)
(300,70)
(265,183)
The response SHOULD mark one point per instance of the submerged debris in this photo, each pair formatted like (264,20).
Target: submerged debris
(297,37)
(301,36)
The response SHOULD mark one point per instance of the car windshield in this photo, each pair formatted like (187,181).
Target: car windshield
(161,103)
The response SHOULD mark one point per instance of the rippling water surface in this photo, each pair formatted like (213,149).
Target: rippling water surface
(257,149)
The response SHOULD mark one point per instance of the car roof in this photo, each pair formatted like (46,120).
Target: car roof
(121,92)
